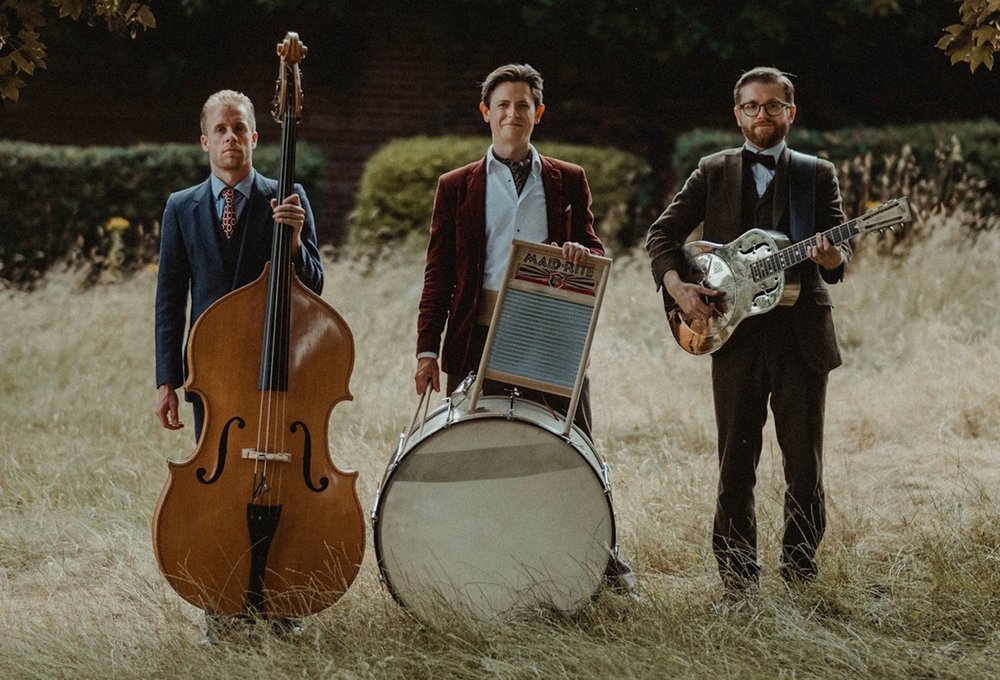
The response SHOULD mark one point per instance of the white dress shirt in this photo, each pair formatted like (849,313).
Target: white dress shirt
(511,216)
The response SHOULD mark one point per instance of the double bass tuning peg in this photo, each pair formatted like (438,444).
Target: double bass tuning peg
(289,99)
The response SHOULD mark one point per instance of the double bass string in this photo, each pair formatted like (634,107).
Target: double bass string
(273,407)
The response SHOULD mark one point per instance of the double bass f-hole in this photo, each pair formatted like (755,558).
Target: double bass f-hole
(220,461)
(307,459)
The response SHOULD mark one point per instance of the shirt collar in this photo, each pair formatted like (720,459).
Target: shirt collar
(775,151)
(493,163)
(243,186)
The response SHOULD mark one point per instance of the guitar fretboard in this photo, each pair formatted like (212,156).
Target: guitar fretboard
(799,252)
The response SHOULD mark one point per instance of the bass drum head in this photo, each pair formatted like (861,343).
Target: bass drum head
(491,514)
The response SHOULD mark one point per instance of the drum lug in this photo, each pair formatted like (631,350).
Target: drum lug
(510,404)
(606,475)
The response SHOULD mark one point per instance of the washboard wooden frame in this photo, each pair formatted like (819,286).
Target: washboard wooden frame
(543,323)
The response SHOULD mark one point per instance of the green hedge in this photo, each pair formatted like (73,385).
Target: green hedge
(58,199)
(978,141)
(396,195)
(945,166)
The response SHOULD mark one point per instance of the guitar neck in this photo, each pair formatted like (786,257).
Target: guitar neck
(799,252)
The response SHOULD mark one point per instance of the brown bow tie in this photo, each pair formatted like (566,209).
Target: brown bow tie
(762,158)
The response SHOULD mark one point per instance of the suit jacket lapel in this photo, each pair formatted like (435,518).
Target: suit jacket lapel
(780,181)
(258,204)
(472,208)
(203,215)
(730,218)
(554,201)
(255,234)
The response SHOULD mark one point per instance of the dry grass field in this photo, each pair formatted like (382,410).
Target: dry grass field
(910,568)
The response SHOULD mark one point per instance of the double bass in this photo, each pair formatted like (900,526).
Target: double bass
(259,521)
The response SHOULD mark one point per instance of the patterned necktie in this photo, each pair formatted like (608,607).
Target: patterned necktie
(519,170)
(762,158)
(228,212)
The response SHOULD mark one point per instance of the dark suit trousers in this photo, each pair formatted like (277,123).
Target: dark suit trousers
(762,362)
(582,420)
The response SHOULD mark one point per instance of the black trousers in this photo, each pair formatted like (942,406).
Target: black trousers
(766,365)
(582,419)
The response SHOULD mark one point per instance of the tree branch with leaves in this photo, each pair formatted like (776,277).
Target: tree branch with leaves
(977,37)
(23,22)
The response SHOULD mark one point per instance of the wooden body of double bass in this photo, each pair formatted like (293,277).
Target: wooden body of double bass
(263,524)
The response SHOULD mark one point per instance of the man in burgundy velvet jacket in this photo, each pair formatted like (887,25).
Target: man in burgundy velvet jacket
(513,192)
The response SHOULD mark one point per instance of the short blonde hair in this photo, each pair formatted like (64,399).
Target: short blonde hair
(228,98)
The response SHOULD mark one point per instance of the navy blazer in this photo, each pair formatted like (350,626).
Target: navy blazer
(192,262)
(456,252)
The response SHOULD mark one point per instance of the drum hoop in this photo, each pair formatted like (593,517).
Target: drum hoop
(482,413)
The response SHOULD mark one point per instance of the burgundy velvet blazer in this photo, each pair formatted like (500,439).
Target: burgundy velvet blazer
(456,253)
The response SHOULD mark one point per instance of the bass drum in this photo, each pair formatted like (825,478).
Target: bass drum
(493,511)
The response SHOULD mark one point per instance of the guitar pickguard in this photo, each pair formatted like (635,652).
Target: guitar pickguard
(763,295)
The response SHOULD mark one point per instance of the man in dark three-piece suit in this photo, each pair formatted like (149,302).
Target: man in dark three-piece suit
(216,237)
(784,355)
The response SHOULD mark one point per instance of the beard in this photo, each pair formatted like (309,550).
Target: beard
(765,135)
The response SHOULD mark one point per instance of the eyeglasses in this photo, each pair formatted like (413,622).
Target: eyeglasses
(772,108)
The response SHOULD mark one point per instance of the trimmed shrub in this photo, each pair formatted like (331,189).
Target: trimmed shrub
(979,140)
(929,146)
(60,199)
(396,195)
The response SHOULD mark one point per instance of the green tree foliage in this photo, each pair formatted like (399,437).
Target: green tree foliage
(976,38)
(23,25)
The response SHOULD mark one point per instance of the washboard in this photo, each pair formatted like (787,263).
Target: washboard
(543,323)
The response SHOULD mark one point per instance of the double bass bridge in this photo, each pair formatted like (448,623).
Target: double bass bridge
(267,456)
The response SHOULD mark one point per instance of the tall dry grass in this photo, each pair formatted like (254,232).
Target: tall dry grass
(909,583)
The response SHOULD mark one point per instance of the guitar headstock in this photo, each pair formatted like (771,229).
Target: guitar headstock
(887,215)
(288,96)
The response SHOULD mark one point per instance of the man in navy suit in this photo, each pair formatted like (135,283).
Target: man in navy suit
(216,237)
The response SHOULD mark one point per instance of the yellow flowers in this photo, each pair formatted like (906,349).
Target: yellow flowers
(116,224)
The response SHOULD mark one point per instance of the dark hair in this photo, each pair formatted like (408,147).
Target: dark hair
(765,74)
(514,73)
